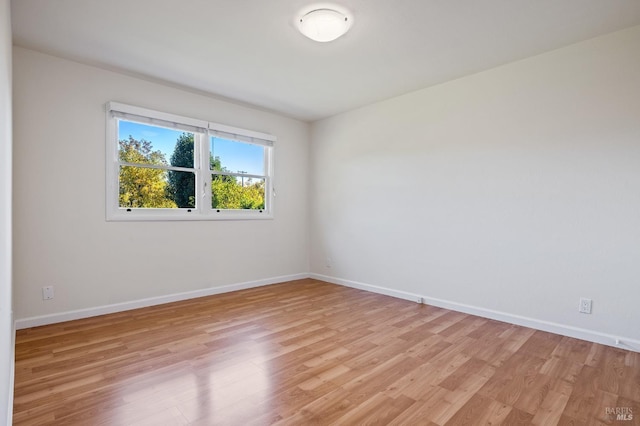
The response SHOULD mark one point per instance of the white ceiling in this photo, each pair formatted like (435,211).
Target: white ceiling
(250,50)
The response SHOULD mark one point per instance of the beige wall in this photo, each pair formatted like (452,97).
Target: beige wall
(61,236)
(512,192)
(6,318)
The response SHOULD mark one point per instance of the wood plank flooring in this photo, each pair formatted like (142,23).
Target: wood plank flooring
(306,353)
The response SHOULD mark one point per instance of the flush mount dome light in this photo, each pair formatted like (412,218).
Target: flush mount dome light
(324,24)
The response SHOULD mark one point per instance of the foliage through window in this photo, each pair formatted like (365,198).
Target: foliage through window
(166,167)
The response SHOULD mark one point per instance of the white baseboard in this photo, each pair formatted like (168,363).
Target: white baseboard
(551,327)
(548,326)
(152,301)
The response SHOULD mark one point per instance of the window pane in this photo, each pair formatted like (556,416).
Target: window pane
(144,187)
(146,144)
(182,188)
(237,157)
(237,192)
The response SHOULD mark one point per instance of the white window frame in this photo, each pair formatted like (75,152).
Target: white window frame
(203,131)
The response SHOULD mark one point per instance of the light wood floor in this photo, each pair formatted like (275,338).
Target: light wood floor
(308,352)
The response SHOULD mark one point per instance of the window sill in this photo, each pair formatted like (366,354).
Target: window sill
(140,215)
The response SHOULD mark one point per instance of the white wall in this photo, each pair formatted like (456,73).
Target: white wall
(7,332)
(513,191)
(61,236)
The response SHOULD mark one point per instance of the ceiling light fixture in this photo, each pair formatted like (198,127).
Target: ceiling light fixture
(324,24)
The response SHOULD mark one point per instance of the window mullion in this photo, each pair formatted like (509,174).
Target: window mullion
(245,175)
(268,184)
(156,166)
(204,183)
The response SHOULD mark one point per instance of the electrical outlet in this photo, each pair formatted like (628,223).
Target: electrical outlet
(47,292)
(585,305)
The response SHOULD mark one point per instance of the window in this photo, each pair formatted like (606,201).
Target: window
(165,167)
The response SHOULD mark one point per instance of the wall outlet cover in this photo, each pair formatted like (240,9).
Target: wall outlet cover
(585,305)
(47,292)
